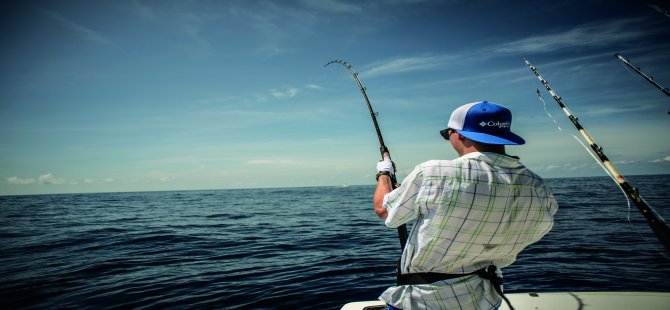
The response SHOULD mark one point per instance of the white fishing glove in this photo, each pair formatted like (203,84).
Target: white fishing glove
(385,166)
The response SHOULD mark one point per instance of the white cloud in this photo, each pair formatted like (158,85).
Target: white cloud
(80,30)
(49,178)
(408,64)
(288,93)
(600,110)
(660,160)
(587,35)
(333,6)
(552,167)
(275,25)
(313,86)
(566,166)
(270,162)
(17,180)
(597,34)
(143,10)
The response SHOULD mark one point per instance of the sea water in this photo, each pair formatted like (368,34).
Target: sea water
(289,248)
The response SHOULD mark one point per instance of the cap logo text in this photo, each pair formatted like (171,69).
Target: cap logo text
(498,124)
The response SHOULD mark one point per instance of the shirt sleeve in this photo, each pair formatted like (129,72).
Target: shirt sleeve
(401,202)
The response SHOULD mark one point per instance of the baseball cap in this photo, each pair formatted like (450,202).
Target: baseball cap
(485,122)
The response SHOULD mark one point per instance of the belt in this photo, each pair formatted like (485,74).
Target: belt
(488,273)
(430,277)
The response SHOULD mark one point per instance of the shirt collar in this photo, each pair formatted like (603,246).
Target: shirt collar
(501,160)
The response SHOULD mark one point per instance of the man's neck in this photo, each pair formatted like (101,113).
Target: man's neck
(480,147)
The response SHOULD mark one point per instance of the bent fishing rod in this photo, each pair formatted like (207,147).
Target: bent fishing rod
(665,90)
(402,230)
(658,226)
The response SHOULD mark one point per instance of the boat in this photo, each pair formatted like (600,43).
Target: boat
(564,301)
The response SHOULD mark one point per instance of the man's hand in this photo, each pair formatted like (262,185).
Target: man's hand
(386,165)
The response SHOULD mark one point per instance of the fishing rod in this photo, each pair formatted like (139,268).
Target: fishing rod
(402,230)
(658,226)
(659,9)
(665,90)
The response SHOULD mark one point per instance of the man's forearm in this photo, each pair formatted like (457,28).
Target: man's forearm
(383,187)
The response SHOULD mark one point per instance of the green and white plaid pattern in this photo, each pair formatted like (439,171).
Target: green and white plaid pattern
(471,212)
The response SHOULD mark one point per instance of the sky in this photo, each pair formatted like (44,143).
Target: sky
(107,96)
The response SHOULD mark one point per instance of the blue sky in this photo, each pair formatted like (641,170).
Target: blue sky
(139,95)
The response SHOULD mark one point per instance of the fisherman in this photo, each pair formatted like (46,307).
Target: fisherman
(471,215)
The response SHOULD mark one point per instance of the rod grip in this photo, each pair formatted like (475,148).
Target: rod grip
(383,149)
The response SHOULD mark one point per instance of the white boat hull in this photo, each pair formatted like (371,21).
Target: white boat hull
(566,301)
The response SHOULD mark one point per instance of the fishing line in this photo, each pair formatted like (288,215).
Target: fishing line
(544,105)
(558,126)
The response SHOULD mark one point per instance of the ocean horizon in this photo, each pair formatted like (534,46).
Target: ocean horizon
(628,177)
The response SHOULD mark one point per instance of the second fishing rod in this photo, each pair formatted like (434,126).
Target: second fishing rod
(656,223)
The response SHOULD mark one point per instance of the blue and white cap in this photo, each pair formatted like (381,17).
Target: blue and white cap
(485,122)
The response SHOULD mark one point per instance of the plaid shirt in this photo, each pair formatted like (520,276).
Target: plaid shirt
(468,213)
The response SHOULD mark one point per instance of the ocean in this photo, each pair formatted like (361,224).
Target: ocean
(289,248)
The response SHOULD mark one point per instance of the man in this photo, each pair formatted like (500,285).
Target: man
(475,211)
